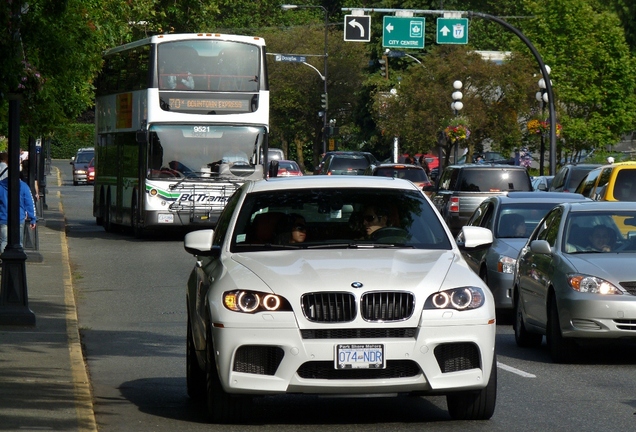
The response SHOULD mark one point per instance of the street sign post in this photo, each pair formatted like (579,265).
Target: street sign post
(357,28)
(403,32)
(290,58)
(452,30)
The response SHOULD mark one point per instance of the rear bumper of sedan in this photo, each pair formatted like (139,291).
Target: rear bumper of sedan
(598,316)
(437,359)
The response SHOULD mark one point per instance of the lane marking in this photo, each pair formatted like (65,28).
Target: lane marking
(515,370)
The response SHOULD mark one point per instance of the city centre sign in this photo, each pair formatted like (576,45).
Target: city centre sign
(403,32)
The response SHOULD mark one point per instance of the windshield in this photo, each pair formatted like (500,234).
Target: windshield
(519,220)
(338,218)
(189,151)
(413,174)
(209,65)
(84,157)
(602,231)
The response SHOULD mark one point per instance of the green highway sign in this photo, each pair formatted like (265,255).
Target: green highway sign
(452,30)
(403,32)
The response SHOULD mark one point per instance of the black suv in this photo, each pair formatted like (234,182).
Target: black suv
(346,163)
(461,189)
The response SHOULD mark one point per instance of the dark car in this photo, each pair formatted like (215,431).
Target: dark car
(461,188)
(326,156)
(569,176)
(346,163)
(511,218)
(414,173)
(80,163)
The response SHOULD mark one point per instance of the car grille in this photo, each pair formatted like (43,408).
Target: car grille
(332,307)
(387,306)
(630,287)
(454,357)
(625,324)
(359,333)
(329,307)
(258,359)
(327,370)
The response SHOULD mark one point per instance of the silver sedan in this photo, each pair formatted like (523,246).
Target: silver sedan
(575,278)
(511,219)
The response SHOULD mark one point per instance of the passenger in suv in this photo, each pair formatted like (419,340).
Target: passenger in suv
(461,189)
(80,164)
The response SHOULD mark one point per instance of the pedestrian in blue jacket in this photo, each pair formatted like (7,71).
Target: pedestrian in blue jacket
(27,207)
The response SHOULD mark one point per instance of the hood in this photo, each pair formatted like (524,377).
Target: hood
(510,246)
(291,273)
(613,267)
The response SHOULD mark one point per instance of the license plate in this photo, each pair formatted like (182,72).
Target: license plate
(165,218)
(360,356)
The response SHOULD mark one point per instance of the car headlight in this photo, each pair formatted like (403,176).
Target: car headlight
(80,172)
(506,264)
(591,284)
(463,298)
(253,302)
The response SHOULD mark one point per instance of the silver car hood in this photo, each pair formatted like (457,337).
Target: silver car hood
(510,246)
(291,273)
(610,266)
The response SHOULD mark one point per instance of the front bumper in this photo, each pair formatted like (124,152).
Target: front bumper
(436,358)
(500,285)
(598,316)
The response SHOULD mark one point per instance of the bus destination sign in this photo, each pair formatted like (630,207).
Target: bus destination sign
(192,104)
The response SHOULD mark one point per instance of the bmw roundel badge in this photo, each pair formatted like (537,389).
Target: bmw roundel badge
(356,284)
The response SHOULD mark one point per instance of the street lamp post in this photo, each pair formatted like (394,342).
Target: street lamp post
(542,97)
(324,78)
(457,106)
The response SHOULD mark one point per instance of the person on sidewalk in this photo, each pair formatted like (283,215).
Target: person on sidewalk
(4,165)
(27,208)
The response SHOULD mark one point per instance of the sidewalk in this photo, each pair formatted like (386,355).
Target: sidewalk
(43,379)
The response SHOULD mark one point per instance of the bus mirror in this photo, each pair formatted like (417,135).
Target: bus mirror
(273,168)
(141,136)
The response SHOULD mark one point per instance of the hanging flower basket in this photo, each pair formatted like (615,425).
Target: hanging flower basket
(542,127)
(457,132)
(31,80)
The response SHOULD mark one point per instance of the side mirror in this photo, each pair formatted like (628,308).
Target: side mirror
(273,168)
(141,136)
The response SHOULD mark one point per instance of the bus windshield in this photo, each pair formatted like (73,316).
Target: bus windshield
(209,65)
(203,150)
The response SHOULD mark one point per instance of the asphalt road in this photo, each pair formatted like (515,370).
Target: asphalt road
(131,307)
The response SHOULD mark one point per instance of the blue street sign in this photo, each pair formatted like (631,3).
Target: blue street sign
(290,58)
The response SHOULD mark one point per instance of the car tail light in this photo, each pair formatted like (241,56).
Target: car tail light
(454,205)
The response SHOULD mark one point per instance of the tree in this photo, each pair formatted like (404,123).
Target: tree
(593,73)
(494,97)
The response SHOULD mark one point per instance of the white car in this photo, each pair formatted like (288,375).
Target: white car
(375,298)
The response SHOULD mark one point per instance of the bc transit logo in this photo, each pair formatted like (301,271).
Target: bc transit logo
(203,198)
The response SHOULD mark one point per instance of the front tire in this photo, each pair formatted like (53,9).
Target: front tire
(475,405)
(222,406)
(195,376)
(562,350)
(523,337)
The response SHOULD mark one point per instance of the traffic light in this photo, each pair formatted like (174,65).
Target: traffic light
(323,100)
(384,66)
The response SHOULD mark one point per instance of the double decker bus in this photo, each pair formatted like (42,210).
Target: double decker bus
(182,120)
